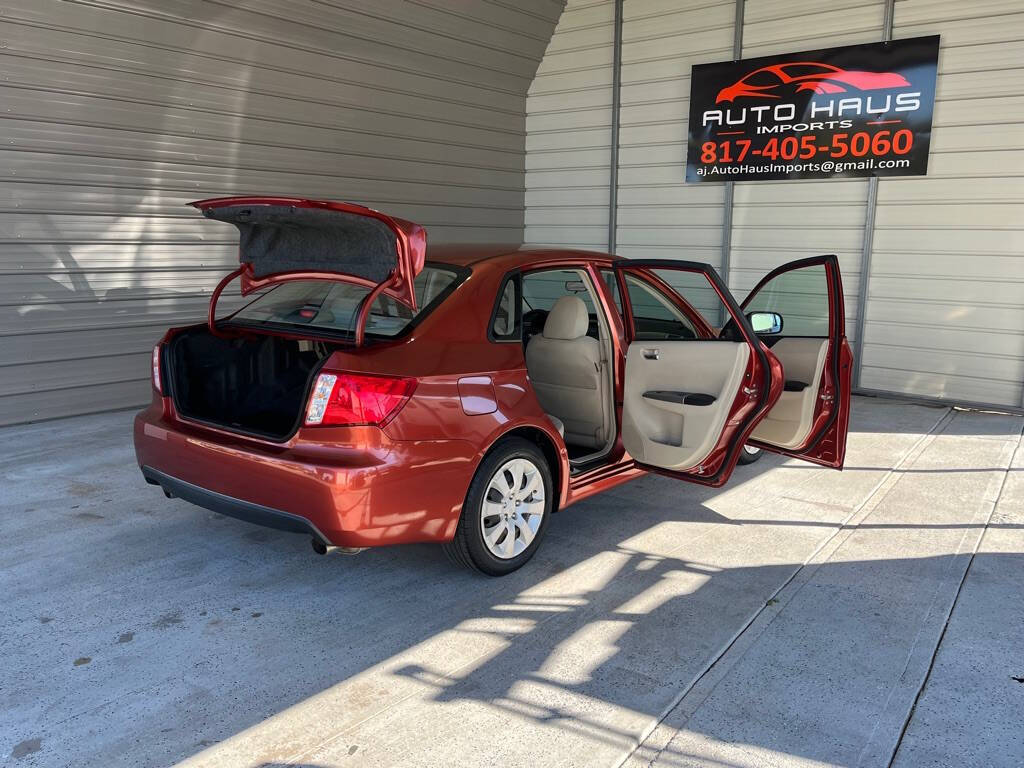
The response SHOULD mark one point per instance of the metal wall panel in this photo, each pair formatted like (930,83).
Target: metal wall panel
(776,222)
(945,299)
(568,131)
(659,216)
(116,115)
(945,310)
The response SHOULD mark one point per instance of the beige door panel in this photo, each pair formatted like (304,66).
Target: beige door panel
(663,429)
(788,423)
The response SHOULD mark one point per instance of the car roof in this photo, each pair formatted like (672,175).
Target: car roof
(504,256)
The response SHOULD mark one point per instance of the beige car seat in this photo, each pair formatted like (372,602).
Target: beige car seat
(567,372)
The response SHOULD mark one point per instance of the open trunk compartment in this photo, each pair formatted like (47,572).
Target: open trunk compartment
(250,383)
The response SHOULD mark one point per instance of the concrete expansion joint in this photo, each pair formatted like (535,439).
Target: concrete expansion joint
(693,696)
(989,519)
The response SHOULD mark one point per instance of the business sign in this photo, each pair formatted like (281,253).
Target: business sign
(859,110)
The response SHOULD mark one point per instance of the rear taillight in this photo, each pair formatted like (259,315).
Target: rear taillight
(357,399)
(156,369)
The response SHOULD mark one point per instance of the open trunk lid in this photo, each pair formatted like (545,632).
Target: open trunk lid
(284,238)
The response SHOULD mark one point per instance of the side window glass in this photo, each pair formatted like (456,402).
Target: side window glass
(655,317)
(608,275)
(697,291)
(800,297)
(542,289)
(506,323)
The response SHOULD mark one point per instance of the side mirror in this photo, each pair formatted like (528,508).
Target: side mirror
(765,322)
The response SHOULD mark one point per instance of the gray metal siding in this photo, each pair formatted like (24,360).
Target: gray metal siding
(568,126)
(945,298)
(776,222)
(945,310)
(658,216)
(115,117)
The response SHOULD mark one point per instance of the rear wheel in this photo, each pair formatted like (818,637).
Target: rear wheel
(506,510)
(750,454)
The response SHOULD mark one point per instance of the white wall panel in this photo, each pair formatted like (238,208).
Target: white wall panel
(117,114)
(568,131)
(660,216)
(945,312)
(776,222)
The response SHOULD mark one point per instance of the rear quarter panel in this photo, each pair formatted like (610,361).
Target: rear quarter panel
(451,346)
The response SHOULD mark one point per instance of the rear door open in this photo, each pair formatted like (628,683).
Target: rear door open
(690,397)
(282,239)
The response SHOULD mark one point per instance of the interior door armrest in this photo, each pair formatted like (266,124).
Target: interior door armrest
(680,398)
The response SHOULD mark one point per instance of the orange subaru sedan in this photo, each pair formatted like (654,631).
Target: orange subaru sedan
(375,392)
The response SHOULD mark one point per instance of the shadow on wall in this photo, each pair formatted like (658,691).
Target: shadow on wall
(61,316)
(55,295)
(106,263)
(165,105)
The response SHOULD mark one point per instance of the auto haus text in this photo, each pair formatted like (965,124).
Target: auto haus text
(833,114)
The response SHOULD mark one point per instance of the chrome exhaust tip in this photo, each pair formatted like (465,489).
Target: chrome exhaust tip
(325,549)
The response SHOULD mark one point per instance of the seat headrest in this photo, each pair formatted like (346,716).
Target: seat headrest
(568,319)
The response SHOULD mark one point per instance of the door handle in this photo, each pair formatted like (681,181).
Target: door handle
(652,354)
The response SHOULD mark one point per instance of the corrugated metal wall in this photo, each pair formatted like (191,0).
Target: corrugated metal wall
(776,222)
(945,312)
(659,217)
(945,298)
(568,130)
(117,114)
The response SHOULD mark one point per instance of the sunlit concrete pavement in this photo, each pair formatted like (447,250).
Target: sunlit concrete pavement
(801,616)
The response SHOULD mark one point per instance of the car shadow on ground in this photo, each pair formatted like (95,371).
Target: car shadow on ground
(645,665)
(242,639)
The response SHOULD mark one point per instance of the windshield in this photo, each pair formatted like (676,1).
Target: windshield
(330,305)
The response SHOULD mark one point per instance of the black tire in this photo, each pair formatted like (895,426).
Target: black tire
(467,548)
(749,454)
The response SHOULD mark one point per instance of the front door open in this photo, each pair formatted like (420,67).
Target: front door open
(797,311)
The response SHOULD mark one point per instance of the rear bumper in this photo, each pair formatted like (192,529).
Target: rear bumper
(232,507)
(350,487)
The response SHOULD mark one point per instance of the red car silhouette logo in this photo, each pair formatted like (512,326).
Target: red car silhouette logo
(768,82)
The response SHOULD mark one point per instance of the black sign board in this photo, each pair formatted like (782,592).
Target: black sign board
(859,110)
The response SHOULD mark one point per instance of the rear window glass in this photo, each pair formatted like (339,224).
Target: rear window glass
(331,306)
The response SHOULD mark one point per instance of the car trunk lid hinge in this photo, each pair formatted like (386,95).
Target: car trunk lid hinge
(211,317)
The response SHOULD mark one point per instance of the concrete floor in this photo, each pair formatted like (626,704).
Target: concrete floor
(800,616)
